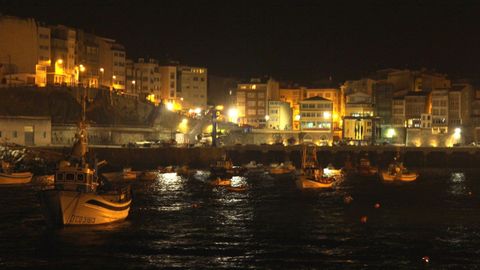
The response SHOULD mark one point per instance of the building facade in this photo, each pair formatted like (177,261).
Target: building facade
(24,51)
(26,130)
(192,87)
(252,103)
(279,115)
(112,62)
(168,86)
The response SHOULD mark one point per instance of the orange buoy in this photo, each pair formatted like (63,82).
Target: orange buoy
(363,219)
(377,205)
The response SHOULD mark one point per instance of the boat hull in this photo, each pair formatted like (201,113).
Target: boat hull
(304,182)
(408,177)
(15,178)
(78,208)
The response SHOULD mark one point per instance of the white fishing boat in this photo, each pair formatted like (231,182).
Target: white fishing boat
(78,197)
(312,176)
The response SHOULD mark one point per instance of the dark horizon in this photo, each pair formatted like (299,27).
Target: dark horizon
(300,41)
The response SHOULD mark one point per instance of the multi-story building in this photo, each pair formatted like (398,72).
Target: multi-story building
(168,79)
(459,105)
(359,122)
(382,100)
(24,51)
(87,59)
(364,85)
(144,79)
(63,70)
(426,121)
(293,96)
(416,104)
(279,115)
(398,112)
(405,81)
(439,111)
(112,64)
(316,114)
(333,94)
(252,103)
(192,87)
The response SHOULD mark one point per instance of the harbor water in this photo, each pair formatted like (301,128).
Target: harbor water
(177,222)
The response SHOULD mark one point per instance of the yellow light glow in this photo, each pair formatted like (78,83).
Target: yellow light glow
(60,61)
(297,117)
(102,70)
(82,68)
(133,82)
(151,98)
(267,117)
(219,107)
(114,77)
(184,121)
(169,106)
(233,115)
(197,110)
(327,115)
(391,133)
(183,126)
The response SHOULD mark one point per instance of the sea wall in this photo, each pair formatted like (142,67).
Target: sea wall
(202,157)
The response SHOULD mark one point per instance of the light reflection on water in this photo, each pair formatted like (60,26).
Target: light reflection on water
(187,223)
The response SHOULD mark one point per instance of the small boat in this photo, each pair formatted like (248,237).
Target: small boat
(78,197)
(125,175)
(365,168)
(8,177)
(282,168)
(397,172)
(225,168)
(236,189)
(147,175)
(15,178)
(330,171)
(221,182)
(253,168)
(312,176)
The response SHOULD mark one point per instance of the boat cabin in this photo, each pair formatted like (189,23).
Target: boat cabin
(76,179)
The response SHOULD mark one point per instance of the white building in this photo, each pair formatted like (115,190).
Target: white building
(26,130)
(279,115)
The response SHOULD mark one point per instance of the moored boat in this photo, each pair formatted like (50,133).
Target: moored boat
(312,176)
(78,197)
(15,178)
(9,177)
(282,168)
(221,182)
(397,172)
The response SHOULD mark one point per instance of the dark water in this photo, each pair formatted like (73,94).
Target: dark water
(185,223)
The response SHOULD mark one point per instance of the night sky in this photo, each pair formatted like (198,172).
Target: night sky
(290,40)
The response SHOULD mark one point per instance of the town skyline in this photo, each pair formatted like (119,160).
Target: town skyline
(339,41)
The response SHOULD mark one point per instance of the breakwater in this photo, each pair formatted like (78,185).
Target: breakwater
(201,157)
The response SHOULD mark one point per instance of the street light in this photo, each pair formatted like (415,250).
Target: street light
(102,70)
